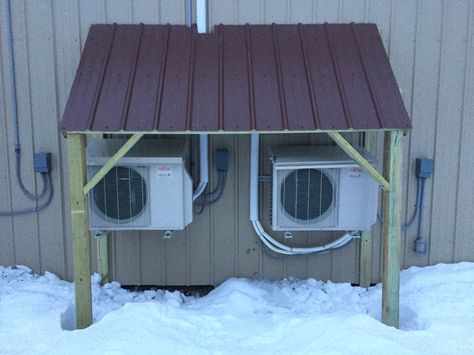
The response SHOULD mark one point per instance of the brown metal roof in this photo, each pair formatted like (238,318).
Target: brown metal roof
(169,78)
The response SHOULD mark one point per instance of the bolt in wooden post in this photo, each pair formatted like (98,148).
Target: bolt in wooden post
(365,255)
(391,229)
(80,230)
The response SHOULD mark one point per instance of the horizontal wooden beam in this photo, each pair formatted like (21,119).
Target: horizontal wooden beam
(229,132)
(112,161)
(359,159)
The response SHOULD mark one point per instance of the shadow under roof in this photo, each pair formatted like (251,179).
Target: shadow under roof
(238,79)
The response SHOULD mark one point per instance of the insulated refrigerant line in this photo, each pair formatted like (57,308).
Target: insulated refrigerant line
(266,239)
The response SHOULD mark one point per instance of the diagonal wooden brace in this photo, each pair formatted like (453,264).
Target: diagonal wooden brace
(359,159)
(112,161)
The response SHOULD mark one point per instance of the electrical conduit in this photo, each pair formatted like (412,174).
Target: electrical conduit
(266,239)
(46,177)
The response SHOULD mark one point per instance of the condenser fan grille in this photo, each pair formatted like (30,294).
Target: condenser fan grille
(121,195)
(306,194)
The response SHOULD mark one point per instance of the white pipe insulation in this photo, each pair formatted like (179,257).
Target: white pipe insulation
(254,169)
(266,239)
(203,165)
(201,15)
(201,18)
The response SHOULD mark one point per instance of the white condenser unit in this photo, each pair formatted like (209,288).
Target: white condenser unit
(149,188)
(321,188)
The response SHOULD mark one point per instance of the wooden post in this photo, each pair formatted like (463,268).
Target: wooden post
(103,259)
(80,230)
(391,229)
(365,256)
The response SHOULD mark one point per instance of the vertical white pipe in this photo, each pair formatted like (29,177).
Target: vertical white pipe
(201,19)
(254,164)
(203,165)
(204,158)
(189,19)
(201,15)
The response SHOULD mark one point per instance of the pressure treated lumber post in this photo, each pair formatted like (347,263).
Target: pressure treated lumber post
(365,255)
(103,259)
(80,230)
(391,229)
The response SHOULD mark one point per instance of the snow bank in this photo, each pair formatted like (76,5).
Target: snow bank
(241,316)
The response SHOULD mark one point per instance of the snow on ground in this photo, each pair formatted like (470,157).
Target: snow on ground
(241,316)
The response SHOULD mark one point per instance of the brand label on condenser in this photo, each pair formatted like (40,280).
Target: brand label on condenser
(164,171)
(355,172)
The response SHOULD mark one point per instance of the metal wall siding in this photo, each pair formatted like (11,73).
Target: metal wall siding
(26,238)
(464,241)
(448,128)
(431,49)
(7,241)
(425,81)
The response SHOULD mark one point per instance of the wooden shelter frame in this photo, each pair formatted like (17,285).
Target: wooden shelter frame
(390,181)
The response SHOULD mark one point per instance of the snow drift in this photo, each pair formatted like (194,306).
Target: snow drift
(241,316)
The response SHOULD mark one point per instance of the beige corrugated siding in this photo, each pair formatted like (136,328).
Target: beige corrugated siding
(430,46)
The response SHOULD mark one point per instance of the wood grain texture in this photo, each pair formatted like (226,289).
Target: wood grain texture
(80,230)
(365,249)
(391,229)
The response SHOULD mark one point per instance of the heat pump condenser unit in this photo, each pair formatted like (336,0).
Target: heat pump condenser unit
(321,188)
(149,188)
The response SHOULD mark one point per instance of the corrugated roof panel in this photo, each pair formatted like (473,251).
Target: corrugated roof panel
(147,85)
(327,100)
(116,87)
(385,91)
(297,94)
(236,83)
(270,110)
(353,84)
(204,113)
(174,99)
(80,108)
(169,78)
